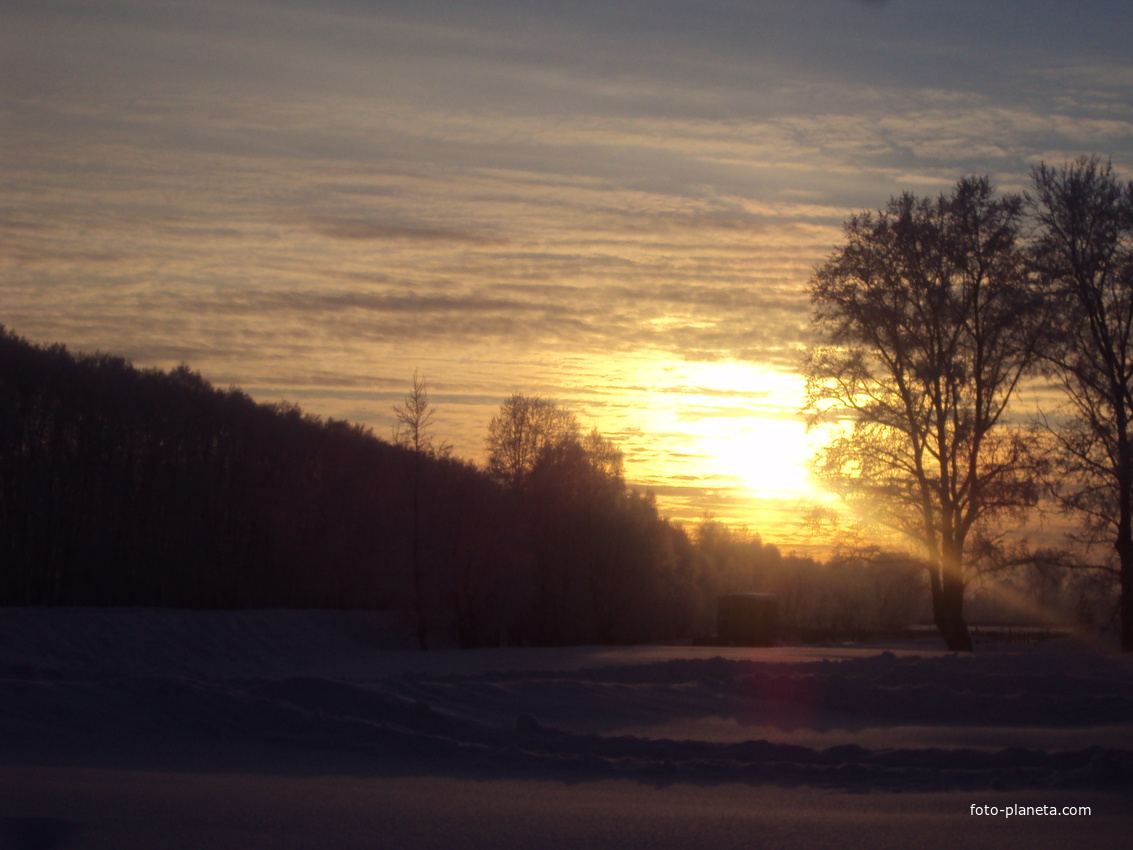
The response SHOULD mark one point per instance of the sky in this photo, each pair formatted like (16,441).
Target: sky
(616,204)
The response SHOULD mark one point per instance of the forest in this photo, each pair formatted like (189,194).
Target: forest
(122,486)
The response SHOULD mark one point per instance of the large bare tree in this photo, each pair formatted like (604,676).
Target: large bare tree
(927,326)
(1084,256)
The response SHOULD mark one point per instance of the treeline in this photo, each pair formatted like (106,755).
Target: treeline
(128,487)
(121,486)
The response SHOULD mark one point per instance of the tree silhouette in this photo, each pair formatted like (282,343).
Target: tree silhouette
(415,417)
(523,430)
(1084,256)
(928,326)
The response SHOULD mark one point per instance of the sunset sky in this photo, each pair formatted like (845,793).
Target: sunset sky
(614,204)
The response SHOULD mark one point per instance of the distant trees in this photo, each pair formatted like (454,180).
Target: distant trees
(121,486)
(1083,255)
(928,326)
(846,597)
(605,567)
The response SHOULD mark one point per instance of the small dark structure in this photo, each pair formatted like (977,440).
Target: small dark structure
(747,619)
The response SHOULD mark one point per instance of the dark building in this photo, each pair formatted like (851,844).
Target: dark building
(747,619)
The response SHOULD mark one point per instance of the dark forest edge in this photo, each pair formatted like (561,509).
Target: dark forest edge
(128,487)
(139,487)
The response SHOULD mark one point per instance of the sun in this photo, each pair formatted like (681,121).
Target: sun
(769,456)
(747,422)
(730,424)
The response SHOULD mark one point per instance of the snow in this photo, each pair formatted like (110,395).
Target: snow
(116,724)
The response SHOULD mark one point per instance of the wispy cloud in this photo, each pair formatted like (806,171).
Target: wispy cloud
(342,227)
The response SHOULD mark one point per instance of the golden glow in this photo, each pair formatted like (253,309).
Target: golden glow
(768,456)
(730,429)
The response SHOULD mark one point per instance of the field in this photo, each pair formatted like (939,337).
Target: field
(142,728)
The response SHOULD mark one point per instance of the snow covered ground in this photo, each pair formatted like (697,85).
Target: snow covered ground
(139,728)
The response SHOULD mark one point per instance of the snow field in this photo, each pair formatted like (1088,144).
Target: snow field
(308,682)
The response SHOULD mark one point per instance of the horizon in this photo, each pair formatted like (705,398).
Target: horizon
(612,209)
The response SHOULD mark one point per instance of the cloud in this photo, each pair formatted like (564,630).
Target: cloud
(339,227)
(513,194)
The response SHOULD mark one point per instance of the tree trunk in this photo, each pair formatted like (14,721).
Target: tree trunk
(418,590)
(1124,542)
(1124,547)
(1127,601)
(948,609)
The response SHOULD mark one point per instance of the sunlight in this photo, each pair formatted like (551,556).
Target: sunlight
(769,456)
(738,422)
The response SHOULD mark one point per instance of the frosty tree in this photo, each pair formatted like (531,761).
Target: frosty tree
(927,326)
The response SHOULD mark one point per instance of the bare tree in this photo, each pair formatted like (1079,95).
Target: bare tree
(927,327)
(415,417)
(414,421)
(1084,255)
(604,456)
(524,429)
